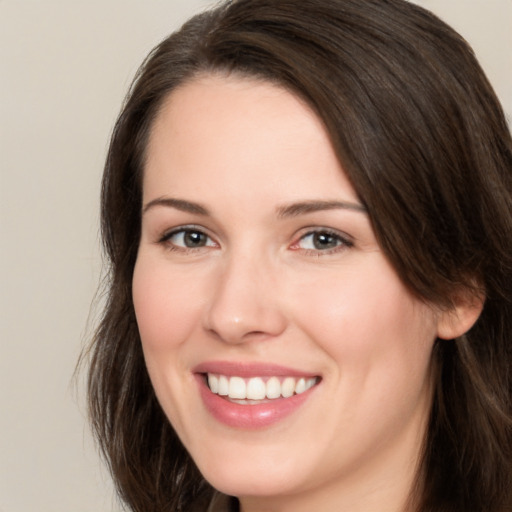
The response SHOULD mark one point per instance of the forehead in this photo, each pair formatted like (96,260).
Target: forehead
(240,135)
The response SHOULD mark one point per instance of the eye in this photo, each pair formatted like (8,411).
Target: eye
(322,240)
(187,238)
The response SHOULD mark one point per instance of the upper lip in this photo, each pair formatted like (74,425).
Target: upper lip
(250,369)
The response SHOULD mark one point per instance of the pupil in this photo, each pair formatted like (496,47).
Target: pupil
(194,239)
(324,241)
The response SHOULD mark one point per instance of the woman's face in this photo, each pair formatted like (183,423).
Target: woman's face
(259,271)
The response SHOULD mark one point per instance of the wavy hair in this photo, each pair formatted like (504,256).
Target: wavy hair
(424,141)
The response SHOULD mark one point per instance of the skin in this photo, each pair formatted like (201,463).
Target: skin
(258,290)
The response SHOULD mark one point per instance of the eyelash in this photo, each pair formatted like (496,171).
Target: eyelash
(342,241)
(183,230)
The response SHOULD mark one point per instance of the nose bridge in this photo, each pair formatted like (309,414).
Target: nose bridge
(245,303)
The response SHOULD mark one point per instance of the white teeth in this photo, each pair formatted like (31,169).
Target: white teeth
(273,388)
(288,387)
(237,388)
(213,383)
(223,386)
(255,388)
(301,386)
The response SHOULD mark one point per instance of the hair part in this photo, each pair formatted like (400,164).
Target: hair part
(424,141)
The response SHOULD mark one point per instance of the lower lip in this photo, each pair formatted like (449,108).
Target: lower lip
(250,416)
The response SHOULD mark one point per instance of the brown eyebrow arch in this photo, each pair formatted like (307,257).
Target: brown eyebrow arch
(304,207)
(178,204)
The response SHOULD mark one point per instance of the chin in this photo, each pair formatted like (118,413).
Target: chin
(254,476)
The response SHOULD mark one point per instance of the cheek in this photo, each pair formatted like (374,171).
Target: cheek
(167,307)
(167,304)
(379,342)
(368,322)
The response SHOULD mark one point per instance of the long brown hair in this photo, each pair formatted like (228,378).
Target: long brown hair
(424,141)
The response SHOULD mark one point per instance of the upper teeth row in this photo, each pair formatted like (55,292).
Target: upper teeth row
(256,388)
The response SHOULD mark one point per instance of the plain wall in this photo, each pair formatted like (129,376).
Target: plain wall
(64,69)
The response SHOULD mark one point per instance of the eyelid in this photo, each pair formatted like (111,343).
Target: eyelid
(167,235)
(346,241)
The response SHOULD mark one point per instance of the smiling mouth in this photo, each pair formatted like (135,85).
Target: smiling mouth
(256,390)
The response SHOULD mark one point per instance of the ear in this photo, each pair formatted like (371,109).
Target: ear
(459,319)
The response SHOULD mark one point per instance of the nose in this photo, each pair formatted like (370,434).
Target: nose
(245,303)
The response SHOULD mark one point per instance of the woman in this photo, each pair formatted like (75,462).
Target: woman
(307,212)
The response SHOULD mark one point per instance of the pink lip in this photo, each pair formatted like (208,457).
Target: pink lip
(249,416)
(247,370)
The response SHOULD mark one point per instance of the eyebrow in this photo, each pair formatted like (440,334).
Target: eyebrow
(178,204)
(290,210)
(295,209)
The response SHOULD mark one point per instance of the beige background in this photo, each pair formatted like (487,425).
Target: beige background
(64,68)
